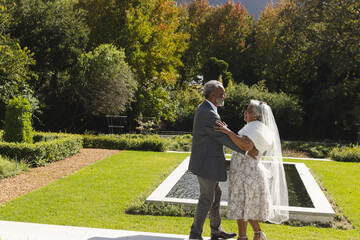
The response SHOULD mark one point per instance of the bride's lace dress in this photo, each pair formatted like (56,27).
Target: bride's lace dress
(249,194)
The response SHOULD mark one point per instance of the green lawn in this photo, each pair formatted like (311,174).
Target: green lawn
(98,195)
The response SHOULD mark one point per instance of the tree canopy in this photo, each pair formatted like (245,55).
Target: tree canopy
(310,49)
(77,56)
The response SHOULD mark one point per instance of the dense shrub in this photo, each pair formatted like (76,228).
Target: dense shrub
(55,147)
(9,168)
(315,149)
(186,102)
(18,126)
(125,142)
(180,143)
(346,154)
(287,110)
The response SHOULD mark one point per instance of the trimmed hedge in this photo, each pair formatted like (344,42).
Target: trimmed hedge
(18,121)
(123,142)
(104,142)
(49,147)
(346,154)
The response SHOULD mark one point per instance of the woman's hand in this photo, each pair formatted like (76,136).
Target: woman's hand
(222,127)
(253,152)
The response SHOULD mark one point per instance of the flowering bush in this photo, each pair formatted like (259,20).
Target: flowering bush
(146,126)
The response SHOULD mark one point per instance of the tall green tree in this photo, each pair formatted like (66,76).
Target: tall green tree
(332,34)
(148,31)
(194,15)
(56,34)
(105,84)
(102,83)
(219,32)
(15,62)
(310,49)
(275,40)
(230,25)
(154,47)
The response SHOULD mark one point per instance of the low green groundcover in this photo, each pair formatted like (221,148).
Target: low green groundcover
(9,168)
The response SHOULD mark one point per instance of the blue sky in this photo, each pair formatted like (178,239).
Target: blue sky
(253,6)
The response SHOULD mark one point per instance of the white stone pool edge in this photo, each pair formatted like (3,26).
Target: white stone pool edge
(322,211)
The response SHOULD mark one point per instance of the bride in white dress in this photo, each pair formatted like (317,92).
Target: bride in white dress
(257,191)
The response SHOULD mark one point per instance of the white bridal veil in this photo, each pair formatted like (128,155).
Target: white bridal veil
(274,164)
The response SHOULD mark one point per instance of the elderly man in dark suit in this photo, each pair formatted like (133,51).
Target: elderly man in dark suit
(207,161)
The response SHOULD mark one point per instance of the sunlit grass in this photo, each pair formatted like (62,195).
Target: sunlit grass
(98,195)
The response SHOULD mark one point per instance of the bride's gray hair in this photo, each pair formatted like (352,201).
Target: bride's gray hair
(257,107)
(211,86)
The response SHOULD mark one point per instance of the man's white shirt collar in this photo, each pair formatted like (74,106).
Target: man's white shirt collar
(212,105)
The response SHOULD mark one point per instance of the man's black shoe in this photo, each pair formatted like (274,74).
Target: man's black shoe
(222,235)
(194,236)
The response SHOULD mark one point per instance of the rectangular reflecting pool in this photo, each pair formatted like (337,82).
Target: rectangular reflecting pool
(307,201)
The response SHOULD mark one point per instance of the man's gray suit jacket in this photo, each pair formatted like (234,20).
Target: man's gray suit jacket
(207,158)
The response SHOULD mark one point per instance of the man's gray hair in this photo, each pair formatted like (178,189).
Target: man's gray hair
(211,86)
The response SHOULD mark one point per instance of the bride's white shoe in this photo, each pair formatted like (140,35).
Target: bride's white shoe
(260,235)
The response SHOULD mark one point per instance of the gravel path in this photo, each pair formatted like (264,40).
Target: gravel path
(26,182)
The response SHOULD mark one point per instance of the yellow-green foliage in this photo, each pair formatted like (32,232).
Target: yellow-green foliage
(346,154)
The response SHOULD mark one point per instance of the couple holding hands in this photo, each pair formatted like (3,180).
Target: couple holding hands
(257,189)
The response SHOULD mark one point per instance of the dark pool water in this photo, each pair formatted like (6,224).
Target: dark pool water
(188,188)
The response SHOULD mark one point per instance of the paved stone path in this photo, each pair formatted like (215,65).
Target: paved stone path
(32,231)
